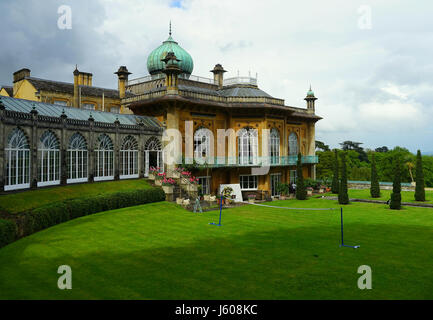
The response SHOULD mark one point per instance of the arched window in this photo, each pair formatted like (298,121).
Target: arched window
(274,146)
(104,157)
(129,158)
(293,144)
(77,159)
(248,146)
(202,144)
(49,160)
(17,161)
(153,155)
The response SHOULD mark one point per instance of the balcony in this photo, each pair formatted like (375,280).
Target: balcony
(236,162)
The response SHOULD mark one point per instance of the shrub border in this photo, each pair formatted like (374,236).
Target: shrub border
(18,225)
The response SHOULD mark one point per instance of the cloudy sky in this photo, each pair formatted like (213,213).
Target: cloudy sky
(373,77)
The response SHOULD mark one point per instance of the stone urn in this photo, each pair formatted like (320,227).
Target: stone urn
(151,176)
(158,182)
(168,189)
(179,200)
(206,197)
(309,192)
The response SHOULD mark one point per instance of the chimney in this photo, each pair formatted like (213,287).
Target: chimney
(123,75)
(76,88)
(19,76)
(218,75)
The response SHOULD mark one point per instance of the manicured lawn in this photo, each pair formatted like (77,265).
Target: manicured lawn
(160,251)
(22,201)
(406,196)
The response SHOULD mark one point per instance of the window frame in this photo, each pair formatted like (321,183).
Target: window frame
(249,176)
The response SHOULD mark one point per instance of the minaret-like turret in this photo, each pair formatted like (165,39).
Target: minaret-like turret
(172,71)
(311,101)
(123,75)
(218,75)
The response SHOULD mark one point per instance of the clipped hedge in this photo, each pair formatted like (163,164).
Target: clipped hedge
(55,213)
(7,232)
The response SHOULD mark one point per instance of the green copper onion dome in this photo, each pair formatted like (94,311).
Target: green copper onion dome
(155,65)
(310,93)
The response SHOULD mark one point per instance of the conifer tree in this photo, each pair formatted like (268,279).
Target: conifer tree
(335,179)
(301,192)
(395,202)
(419,188)
(343,196)
(374,188)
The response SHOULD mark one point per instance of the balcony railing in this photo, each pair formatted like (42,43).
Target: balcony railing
(240,80)
(221,162)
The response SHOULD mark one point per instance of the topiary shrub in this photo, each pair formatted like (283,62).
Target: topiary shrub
(395,202)
(335,187)
(374,187)
(7,232)
(301,192)
(343,196)
(419,187)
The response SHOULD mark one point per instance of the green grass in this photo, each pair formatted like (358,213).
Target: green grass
(160,251)
(19,202)
(406,196)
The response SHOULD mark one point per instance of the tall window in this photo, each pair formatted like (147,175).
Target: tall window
(275,182)
(205,184)
(129,158)
(202,140)
(274,146)
(293,144)
(293,174)
(17,161)
(77,159)
(49,160)
(104,157)
(248,146)
(248,182)
(153,155)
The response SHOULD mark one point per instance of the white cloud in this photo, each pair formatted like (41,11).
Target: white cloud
(365,79)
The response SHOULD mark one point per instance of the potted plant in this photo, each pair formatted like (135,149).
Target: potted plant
(185,176)
(179,200)
(168,185)
(226,193)
(283,190)
(206,197)
(159,177)
(193,184)
(153,172)
(251,198)
(309,191)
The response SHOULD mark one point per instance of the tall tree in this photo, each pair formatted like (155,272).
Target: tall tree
(335,188)
(395,202)
(301,192)
(419,188)
(374,188)
(343,196)
(322,146)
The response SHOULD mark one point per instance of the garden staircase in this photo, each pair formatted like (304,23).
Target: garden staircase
(183,188)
